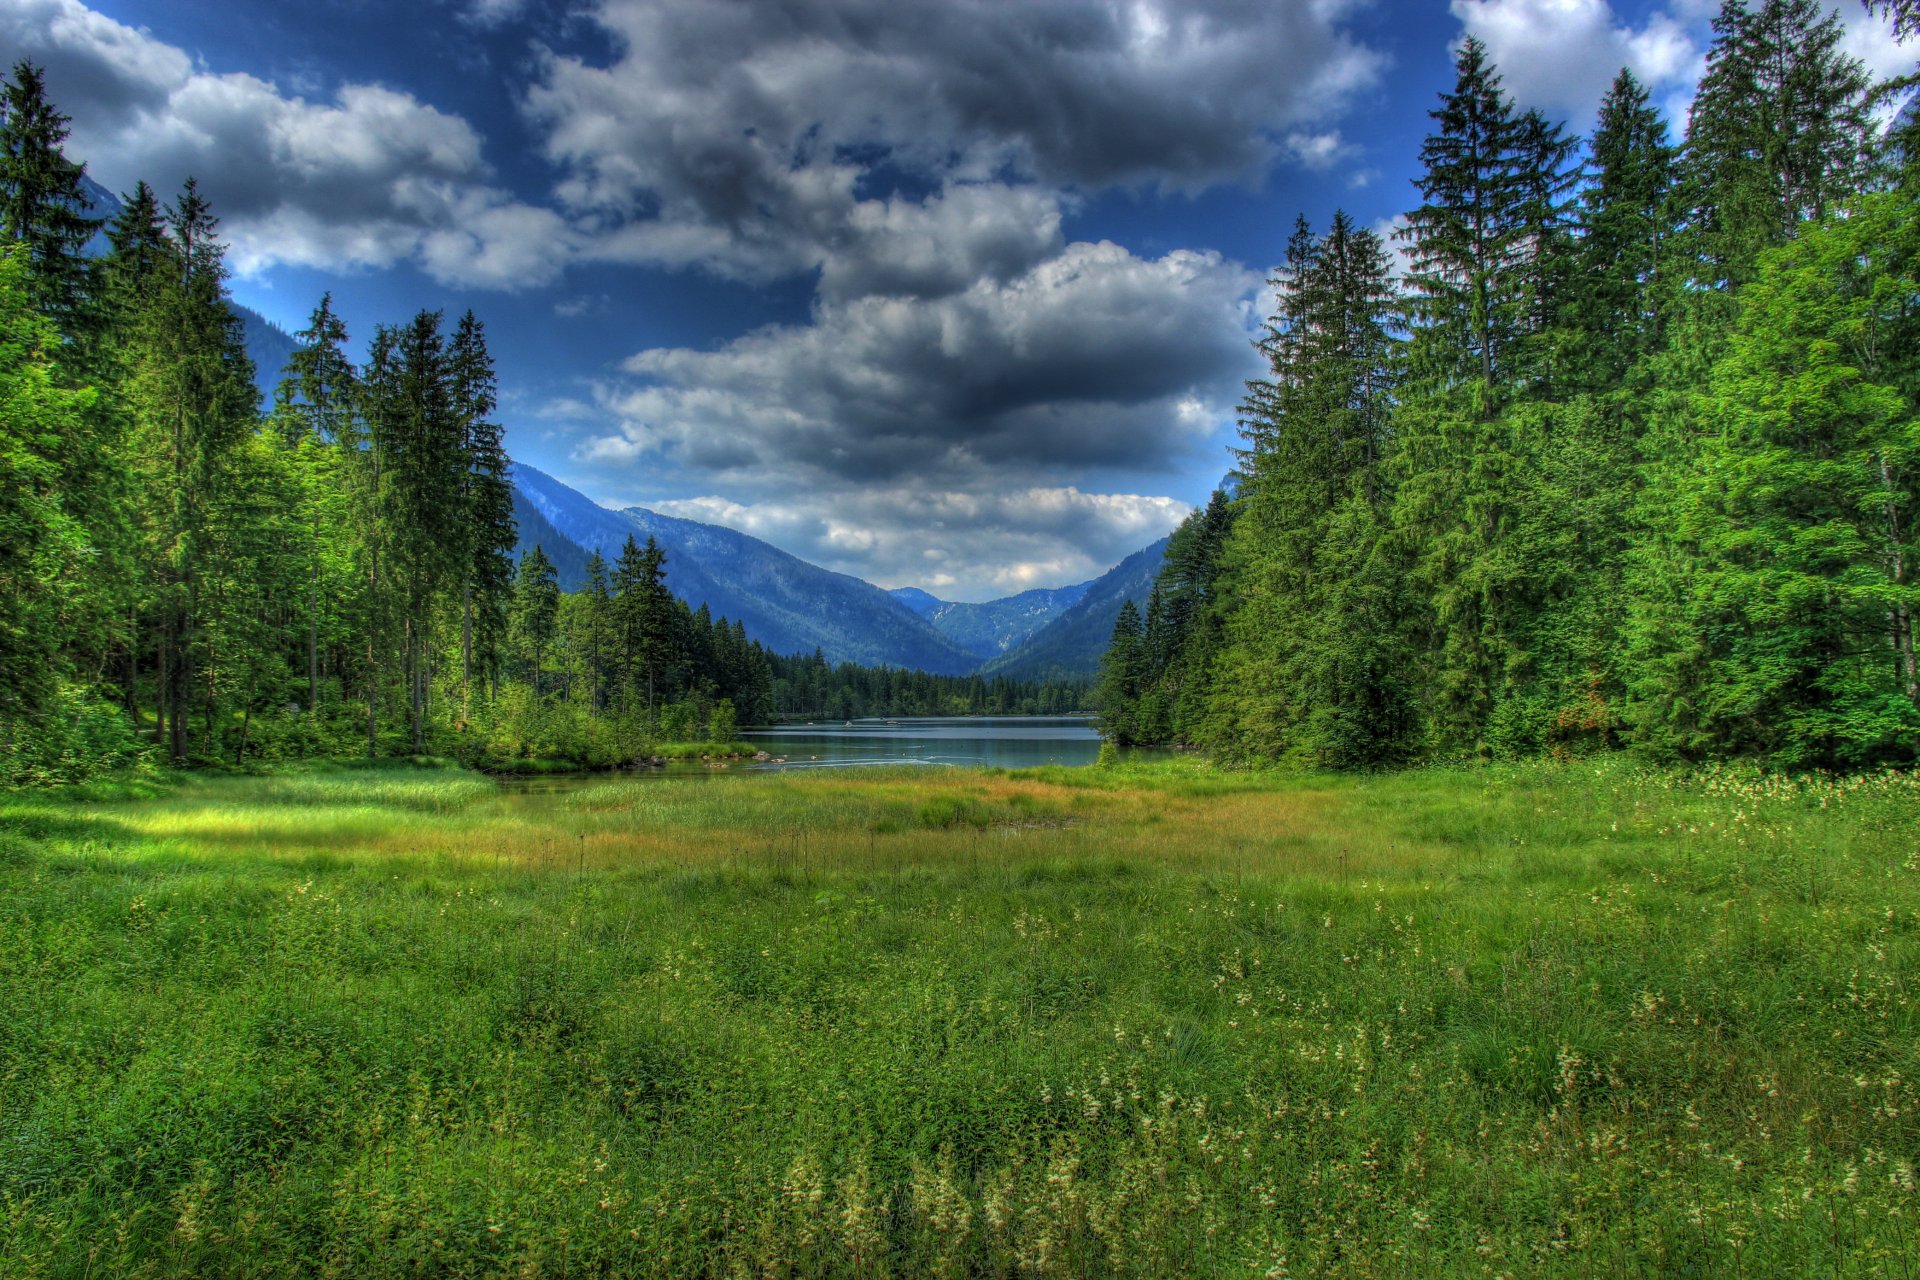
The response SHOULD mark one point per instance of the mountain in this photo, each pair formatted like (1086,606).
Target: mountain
(992,627)
(917,600)
(785,603)
(268,346)
(1069,647)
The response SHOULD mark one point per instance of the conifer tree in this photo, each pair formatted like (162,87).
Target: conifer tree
(189,388)
(1309,667)
(1121,668)
(536,610)
(488,519)
(1777,137)
(427,473)
(42,202)
(1487,252)
(43,543)
(315,408)
(1793,634)
(1615,313)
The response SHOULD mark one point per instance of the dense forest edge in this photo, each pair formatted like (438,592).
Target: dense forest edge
(188,579)
(1623,452)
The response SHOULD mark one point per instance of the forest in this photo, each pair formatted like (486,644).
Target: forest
(186,577)
(1603,444)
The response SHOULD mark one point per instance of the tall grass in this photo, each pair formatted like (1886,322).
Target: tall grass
(1139,1020)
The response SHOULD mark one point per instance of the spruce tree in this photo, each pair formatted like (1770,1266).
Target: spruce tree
(1117,693)
(1305,669)
(1777,137)
(1614,316)
(536,610)
(315,409)
(1488,255)
(488,518)
(43,203)
(1792,635)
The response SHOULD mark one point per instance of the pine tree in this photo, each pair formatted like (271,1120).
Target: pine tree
(315,408)
(1121,668)
(42,202)
(1467,243)
(536,610)
(488,520)
(190,393)
(1615,313)
(1777,137)
(647,617)
(427,476)
(1306,650)
(44,545)
(1488,254)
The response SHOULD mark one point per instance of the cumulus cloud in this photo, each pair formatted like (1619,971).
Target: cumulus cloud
(369,178)
(960,544)
(932,438)
(1091,358)
(748,137)
(1560,55)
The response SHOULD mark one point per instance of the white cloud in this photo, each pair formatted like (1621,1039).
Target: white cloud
(965,544)
(368,178)
(1560,55)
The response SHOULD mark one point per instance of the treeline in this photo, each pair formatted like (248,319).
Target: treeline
(191,574)
(809,688)
(1627,452)
(188,576)
(623,663)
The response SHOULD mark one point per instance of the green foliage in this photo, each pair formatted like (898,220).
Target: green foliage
(720,722)
(44,546)
(42,203)
(1801,510)
(1637,467)
(79,736)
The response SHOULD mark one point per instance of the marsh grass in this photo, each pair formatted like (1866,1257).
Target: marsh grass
(1144,1019)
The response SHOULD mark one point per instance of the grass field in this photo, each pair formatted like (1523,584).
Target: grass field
(1555,1020)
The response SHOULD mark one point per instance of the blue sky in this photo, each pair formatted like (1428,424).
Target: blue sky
(956,294)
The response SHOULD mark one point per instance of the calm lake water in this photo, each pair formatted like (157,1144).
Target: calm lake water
(1013,742)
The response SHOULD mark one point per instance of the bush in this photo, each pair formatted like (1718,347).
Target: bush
(80,736)
(720,725)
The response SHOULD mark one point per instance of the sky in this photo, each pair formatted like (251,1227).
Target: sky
(955,294)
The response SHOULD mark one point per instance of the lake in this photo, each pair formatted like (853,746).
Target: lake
(1008,742)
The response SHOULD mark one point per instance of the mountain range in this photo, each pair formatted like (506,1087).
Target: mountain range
(792,606)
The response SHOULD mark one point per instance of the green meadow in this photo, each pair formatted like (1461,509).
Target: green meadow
(1559,1019)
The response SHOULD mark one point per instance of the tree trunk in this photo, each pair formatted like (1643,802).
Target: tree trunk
(1900,616)
(466,652)
(313,625)
(373,651)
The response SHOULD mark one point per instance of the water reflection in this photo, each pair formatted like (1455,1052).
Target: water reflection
(1010,742)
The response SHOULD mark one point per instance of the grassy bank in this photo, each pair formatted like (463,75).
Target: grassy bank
(1148,1021)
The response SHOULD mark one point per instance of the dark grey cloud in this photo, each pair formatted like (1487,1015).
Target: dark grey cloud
(742,136)
(1092,358)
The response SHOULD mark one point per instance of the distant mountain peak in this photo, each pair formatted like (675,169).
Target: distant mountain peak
(792,606)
